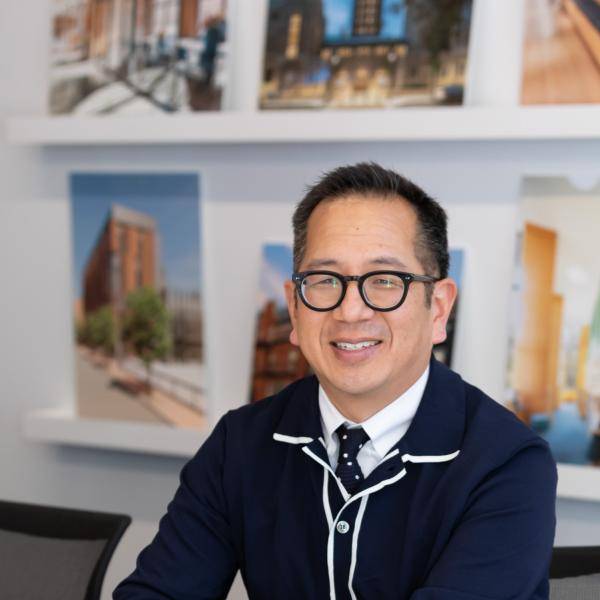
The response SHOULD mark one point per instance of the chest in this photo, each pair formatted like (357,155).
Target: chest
(302,536)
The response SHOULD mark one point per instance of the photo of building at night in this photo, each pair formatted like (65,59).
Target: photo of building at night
(138,309)
(137,56)
(365,53)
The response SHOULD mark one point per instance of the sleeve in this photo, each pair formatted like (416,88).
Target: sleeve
(502,545)
(192,555)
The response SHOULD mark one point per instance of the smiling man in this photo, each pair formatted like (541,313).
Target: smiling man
(382,476)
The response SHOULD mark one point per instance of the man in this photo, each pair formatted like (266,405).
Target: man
(385,476)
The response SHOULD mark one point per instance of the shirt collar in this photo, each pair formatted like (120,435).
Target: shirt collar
(386,426)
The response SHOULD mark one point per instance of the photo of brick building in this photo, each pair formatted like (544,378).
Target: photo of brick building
(277,362)
(123,260)
(138,308)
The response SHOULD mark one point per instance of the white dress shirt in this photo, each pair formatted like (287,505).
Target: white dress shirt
(385,428)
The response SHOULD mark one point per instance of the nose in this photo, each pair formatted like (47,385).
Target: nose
(352,307)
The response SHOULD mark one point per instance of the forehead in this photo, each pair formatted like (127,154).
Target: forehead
(359,224)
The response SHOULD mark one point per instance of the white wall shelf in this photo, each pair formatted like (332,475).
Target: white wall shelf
(63,426)
(578,482)
(408,124)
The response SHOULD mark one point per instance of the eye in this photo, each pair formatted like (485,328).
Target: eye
(385,282)
(322,281)
(326,282)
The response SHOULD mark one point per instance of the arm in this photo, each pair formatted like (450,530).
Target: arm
(192,555)
(502,546)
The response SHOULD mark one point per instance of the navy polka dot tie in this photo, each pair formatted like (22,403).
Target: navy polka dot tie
(348,469)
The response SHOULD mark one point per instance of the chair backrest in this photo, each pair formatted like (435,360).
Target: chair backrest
(572,561)
(81,541)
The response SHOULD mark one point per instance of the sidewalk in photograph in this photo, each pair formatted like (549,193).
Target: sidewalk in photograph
(113,395)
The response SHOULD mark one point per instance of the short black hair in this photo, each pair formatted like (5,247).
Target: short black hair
(372,180)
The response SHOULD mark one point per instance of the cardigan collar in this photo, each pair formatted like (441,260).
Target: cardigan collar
(436,430)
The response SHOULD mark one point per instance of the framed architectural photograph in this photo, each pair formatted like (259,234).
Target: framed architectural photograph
(444,351)
(561,52)
(137,306)
(553,381)
(365,53)
(137,56)
(277,362)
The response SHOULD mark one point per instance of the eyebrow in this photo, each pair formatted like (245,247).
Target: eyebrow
(379,260)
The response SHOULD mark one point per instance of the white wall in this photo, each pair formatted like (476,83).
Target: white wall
(248,194)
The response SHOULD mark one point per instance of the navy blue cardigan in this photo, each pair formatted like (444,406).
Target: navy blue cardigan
(461,508)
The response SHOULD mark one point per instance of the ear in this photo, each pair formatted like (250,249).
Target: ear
(442,300)
(292,304)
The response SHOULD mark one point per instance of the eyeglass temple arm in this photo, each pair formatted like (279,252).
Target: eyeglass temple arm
(426,278)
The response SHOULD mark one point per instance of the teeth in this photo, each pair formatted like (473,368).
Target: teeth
(359,346)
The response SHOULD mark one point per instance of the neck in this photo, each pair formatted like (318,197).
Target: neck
(356,409)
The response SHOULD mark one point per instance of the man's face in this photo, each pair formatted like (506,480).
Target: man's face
(352,236)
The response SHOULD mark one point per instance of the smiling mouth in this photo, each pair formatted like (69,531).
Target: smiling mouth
(352,347)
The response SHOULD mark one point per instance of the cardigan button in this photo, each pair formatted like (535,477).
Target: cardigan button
(343,527)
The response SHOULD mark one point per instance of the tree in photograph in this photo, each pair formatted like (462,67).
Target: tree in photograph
(81,332)
(146,326)
(98,330)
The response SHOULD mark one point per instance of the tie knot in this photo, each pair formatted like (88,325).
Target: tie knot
(351,440)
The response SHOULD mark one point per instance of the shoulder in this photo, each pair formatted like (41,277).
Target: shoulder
(488,417)
(468,418)
(494,436)
(498,453)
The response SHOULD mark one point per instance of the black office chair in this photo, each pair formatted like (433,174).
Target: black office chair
(575,573)
(48,552)
(572,561)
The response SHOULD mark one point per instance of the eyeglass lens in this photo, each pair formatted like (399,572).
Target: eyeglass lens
(382,290)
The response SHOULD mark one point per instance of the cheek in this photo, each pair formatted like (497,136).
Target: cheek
(309,328)
(407,328)
(398,325)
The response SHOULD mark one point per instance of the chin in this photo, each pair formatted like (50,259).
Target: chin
(355,386)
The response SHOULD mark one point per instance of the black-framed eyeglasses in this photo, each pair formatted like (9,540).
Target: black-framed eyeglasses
(380,290)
